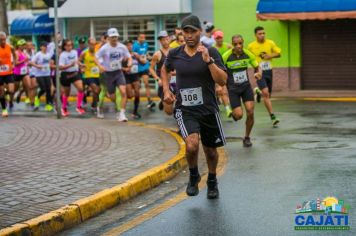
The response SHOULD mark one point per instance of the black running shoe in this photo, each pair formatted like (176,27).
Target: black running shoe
(151,104)
(192,188)
(247,142)
(213,191)
(18,98)
(136,116)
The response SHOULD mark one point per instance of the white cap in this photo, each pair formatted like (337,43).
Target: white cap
(162,34)
(112,32)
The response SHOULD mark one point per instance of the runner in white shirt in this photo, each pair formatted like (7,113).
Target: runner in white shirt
(113,54)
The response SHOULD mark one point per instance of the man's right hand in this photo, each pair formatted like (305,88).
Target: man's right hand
(169,97)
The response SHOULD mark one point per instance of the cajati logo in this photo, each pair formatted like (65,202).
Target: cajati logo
(327,214)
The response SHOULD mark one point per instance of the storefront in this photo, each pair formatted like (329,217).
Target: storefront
(38,28)
(130,17)
(317,37)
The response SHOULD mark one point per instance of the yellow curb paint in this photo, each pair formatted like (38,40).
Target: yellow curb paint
(349,99)
(169,203)
(89,99)
(83,209)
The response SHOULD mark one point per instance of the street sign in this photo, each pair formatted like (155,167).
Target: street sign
(50,3)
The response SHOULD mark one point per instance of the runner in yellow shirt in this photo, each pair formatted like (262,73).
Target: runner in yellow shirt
(265,50)
(91,71)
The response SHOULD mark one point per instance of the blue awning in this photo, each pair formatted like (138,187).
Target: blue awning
(32,25)
(305,9)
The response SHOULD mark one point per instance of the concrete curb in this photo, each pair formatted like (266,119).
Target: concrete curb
(83,209)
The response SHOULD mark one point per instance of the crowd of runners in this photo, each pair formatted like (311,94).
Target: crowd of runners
(109,68)
(195,70)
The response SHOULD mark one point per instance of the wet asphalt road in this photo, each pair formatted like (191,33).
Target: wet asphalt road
(312,154)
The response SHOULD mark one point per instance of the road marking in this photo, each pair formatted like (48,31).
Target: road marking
(167,204)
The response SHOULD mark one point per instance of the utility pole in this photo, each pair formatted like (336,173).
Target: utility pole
(58,91)
(3,17)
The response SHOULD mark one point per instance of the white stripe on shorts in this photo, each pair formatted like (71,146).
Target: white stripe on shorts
(179,118)
(220,127)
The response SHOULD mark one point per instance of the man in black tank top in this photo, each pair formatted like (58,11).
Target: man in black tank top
(196,111)
(157,62)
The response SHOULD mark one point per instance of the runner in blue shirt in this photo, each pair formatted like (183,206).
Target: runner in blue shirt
(140,49)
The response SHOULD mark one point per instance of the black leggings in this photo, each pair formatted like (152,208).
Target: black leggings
(45,87)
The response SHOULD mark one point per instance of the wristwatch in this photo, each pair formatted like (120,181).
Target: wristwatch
(211,61)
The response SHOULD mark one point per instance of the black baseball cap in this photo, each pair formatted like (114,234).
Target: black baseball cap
(192,22)
(82,40)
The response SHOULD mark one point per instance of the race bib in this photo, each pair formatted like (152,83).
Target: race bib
(192,96)
(240,77)
(23,70)
(115,65)
(95,70)
(265,65)
(4,68)
(45,68)
(173,79)
(134,69)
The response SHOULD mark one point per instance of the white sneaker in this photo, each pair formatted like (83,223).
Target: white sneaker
(99,113)
(122,117)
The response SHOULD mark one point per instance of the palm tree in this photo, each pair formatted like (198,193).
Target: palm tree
(3,16)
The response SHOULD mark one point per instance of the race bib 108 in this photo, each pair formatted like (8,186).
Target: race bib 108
(266,65)
(192,96)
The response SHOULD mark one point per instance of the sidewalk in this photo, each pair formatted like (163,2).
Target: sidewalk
(48,163)
(315,94)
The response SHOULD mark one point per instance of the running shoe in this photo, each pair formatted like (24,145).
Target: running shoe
(37,101)
(213,191)
(151,104)
(192,187)
(48,107)
(136,116)
(274,120)
(247,142)
(228,112)
(5,113)
(99,113)
(65,112)
(80,110)
(258,93)
(27,101)
(122,117)
(18,98)
(11,106)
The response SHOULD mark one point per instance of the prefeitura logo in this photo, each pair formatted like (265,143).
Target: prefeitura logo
(327,214)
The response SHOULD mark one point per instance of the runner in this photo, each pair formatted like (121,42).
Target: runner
(221,91)
(236,61)
(175,42)
(68,64)
(140,48)
(42,71)
(7,59)
(207,39)
(113,54)
(32,90)
(91,71)
(157,62)
(21,73)
(196,111)
(265,50)
(132,80)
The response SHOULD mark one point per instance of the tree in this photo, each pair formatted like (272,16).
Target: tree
(3,16)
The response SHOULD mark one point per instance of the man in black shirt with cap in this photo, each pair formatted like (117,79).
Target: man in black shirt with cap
(196,111)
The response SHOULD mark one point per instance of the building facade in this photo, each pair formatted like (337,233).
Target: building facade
(317,37)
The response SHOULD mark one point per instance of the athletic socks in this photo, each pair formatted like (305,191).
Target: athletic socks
(211,177)
(194,171)
(80,96)
(136,104)
(118,100)
(64,101)
(3,103)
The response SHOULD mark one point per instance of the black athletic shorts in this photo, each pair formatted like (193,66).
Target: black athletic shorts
(89,81)
(113,79)
(142,73)
(67,78)
(208,126)
(6,79)
(243,92)
(266,80)
(131,78)
(19,78)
